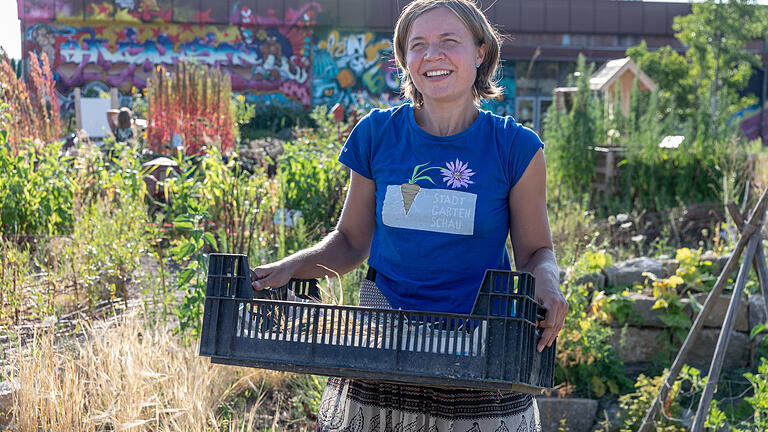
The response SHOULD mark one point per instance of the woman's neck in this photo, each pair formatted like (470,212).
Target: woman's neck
(445,119)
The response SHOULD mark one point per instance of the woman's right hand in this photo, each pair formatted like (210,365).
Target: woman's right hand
(342,250)
(273,275)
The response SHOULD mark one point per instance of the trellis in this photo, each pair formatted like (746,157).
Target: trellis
(750,243)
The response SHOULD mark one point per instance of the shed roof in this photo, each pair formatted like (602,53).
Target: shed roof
(613,69)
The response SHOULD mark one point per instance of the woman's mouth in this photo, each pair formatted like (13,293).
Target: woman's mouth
(437,74)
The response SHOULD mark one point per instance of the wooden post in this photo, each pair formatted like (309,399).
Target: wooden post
(78,110)
(759,265)
(677,365)
(725,332)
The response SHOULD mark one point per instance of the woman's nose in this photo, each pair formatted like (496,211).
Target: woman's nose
(433,51)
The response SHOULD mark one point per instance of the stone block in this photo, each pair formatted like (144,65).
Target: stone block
(596,279)
(716,316)
(703,350)
(639,345)
(669,267)
(7,390)
(609,411)
(643,314)
(576,415)
(631,272)
(718,262)
(757,313)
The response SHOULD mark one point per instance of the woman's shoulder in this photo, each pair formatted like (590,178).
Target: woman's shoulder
(382,115)
(511,130)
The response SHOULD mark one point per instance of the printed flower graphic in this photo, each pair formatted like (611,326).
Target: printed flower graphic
(457,174)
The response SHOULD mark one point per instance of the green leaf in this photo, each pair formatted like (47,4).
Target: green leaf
(185,276)
(210,239)
(183,223)
(679,320)
(182,251)
(756,330)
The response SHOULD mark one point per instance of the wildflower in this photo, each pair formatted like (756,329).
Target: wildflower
(457,174)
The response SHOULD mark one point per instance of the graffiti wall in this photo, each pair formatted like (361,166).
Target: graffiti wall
(264,55)
(354,69)
(273,54)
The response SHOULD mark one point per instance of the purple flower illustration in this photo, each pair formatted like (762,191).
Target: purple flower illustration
(457,174)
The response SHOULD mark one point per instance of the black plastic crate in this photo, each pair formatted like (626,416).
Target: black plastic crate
(492,348)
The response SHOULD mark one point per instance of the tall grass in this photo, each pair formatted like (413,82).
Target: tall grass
(127,375)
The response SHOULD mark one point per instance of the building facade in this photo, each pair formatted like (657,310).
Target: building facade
(304,52)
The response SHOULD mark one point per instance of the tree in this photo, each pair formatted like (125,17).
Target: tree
(671,73)
(700,87)
(716,34)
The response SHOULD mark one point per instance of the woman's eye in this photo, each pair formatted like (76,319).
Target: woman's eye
(417,45)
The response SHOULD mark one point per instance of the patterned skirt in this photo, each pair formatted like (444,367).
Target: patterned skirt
(351,405)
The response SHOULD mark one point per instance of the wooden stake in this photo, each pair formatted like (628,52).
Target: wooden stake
(722,341)
(759,265)
(730,266)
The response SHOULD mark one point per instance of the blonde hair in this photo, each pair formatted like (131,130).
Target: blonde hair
(486,82)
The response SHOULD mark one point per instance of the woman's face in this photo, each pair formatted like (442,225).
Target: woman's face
(441,56)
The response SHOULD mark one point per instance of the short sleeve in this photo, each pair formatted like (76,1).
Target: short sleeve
(356,153)
(525,144)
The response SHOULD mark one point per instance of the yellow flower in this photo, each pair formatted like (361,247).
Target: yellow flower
(675,281)
(683,254)
(241,98)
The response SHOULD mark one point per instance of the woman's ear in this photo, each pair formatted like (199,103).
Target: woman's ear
(481,50)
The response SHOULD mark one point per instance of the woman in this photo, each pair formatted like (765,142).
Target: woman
(436,186)
(123,129)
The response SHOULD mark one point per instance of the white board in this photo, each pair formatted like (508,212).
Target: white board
(93,114)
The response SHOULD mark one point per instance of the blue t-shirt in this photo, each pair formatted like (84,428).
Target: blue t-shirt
(442,214)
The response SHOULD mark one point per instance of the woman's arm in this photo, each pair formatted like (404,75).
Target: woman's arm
(341,251)
(532,245)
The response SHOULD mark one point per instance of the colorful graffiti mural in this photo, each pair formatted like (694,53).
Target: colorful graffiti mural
(272,54)
(354,69)
(261,59)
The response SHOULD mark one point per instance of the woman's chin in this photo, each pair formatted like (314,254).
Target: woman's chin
(443,97)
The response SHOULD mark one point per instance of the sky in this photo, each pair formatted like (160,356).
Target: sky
(10,32)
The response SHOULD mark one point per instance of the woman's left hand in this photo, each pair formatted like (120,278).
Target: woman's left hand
(550,297)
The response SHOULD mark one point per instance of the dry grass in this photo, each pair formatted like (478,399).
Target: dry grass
(127,375)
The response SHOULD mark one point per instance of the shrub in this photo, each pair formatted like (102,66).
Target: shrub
(311,178)
(635,405)
(586,362)
(35,192)
(570,134)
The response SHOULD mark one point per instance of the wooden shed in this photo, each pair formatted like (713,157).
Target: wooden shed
(618,72)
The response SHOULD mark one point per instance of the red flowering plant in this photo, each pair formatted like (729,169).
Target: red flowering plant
(34,106)
(191,107)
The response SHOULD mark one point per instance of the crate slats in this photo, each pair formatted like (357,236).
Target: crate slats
(493,348)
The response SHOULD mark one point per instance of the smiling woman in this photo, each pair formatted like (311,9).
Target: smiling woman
(450,39)
(436,186)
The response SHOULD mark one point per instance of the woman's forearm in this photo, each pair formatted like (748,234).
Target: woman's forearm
(333,255)
(542,264)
